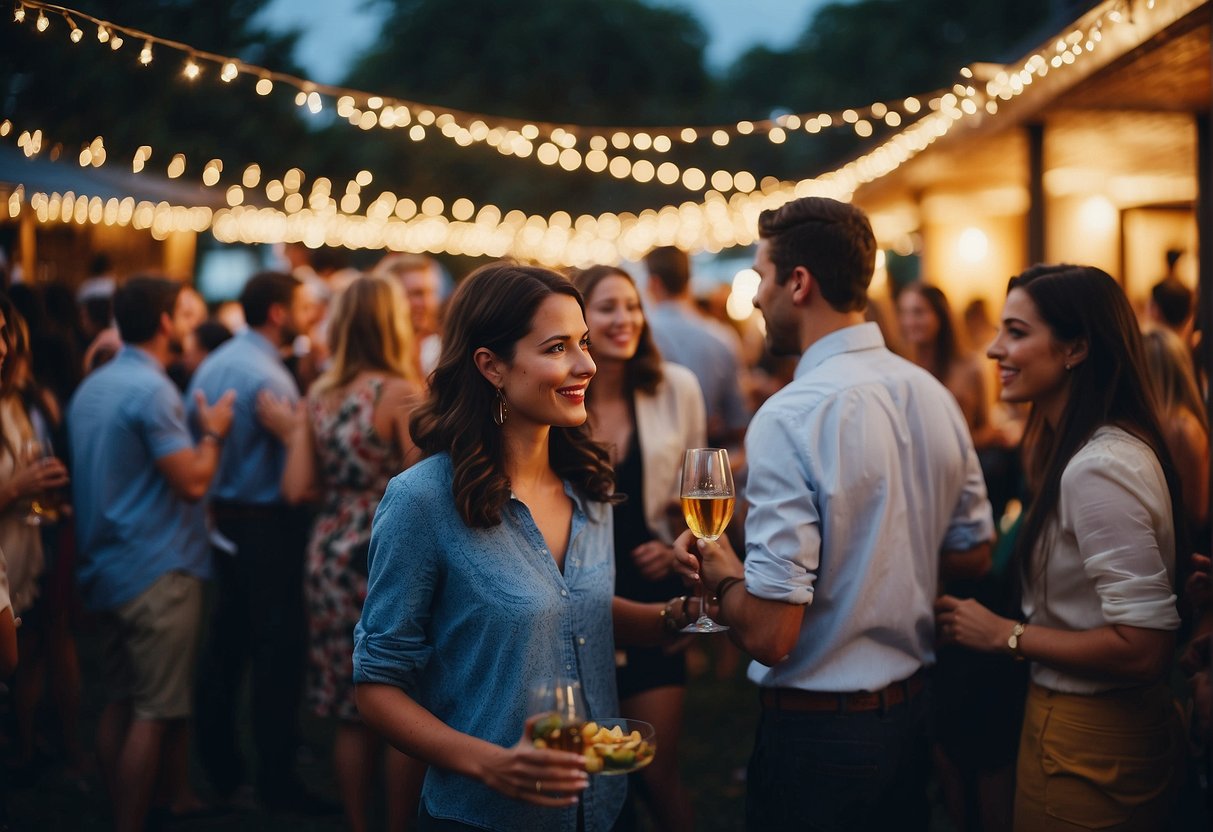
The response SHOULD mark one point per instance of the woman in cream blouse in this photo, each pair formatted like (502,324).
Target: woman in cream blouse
(647,413)
(1102,743)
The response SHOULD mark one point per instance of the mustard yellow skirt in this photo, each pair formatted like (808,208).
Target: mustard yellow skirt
(1111,761)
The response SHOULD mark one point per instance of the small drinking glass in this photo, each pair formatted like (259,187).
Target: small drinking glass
(707,503)
(43,506)
(561,710)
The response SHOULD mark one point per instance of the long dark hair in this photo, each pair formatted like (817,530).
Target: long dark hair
(643,371)
(1110,386)
(493,308)
(946,349)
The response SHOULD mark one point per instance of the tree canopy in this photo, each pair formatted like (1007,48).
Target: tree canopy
(622,62)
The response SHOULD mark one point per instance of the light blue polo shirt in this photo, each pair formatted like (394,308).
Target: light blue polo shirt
(131,526)
(250,469)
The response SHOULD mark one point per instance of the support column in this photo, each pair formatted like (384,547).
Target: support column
(1036,193)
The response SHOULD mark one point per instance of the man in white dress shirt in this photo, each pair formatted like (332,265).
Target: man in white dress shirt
(862,475)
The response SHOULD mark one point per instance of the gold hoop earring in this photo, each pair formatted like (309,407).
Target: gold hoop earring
(502,411)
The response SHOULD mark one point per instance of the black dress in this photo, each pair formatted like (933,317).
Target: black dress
(640,668)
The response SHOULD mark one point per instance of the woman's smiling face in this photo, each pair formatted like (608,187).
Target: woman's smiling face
(545,382)
(615,318)
(1031,362)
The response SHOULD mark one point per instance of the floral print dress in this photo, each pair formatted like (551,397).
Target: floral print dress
(354,466)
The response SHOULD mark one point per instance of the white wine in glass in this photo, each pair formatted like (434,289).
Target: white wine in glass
(707,503)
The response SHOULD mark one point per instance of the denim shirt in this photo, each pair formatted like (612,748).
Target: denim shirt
(250,468)
(131,526)
(466,620)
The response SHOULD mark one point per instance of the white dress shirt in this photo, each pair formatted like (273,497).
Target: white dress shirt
(861,471)
(1111,550)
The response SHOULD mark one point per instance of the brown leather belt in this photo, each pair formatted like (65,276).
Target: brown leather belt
(811,701)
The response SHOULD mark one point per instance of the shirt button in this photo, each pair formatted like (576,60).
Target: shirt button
(568,667)
(565,593)
(581,641)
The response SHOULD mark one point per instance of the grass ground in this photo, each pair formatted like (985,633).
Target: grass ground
(718,734)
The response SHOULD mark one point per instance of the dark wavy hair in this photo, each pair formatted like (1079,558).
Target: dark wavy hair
(643,371)
(1109,387)
(946,348)
(832,239)
(493,308)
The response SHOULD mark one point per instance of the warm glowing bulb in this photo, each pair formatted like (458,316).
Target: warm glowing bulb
(145,54)
(191,69)
(264,86)
(103,34)
(43,23)
(116,42)
(229,72)
(77,34)
(19,13)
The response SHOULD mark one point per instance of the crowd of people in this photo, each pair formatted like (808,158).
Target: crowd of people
(973,554)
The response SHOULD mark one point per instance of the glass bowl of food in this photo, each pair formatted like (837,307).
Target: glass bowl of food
(617,746)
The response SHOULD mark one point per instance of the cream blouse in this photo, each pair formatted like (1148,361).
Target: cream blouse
(1111,550)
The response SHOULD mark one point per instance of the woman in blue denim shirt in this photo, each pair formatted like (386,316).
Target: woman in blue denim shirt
(491,567)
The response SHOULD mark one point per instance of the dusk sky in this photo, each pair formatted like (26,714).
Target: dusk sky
(335,30)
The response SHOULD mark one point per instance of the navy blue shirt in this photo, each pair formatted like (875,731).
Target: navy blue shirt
(250,469)
(131,526)
(466,621)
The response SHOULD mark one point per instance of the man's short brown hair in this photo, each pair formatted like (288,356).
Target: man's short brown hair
(833,240)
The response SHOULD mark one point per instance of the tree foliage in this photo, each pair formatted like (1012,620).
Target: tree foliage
(608,62)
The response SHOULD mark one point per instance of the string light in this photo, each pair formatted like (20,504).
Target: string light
(75,33)
(192,70)
(145,54)
(19,13)
(713,222)
(43,23)
(390,113)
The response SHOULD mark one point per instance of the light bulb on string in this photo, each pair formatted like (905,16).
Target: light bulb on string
(229,72)
(19,13)
(116,42)
(103,34)
(145,54)
(43,23)
(192,70)
(77,33)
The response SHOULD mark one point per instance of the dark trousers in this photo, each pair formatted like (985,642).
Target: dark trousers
(841,771)
(257,623)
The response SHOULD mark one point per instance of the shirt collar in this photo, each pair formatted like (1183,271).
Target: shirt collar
(129,352)
(579,502)
(261,343)
(865,336)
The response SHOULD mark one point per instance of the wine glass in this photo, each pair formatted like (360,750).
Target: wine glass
(707,503)
(43,507)
(561,710)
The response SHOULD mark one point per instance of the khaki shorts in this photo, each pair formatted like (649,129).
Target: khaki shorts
(1110,761)
(151,645)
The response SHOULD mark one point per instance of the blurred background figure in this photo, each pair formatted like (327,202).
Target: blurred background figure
(687,337)
(257,621)
(344,443)
(646,412)
(422,285)
(929,334)
(33,475)
(977,710)
(1185,428)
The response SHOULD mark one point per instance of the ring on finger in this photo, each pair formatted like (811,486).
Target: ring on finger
(538,787)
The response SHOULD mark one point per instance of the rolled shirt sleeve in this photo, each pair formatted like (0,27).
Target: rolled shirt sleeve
(390,643)
(1117,507)
(972,522)
(783,527)
(161,414)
